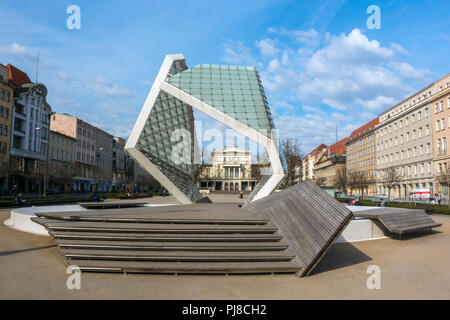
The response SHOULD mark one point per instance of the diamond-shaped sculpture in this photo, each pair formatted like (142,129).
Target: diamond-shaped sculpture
(232,95)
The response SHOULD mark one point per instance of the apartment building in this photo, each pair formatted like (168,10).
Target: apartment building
(328,164)
(29,134)
(6,105)
(440,103)
(360,151)
(404,141)
(310,160)
(86,147)
(61,158)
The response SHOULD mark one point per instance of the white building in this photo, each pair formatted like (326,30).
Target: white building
(230,170)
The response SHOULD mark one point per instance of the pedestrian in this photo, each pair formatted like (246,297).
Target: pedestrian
(382,203)
(164,192)
(19,199)
(439,199)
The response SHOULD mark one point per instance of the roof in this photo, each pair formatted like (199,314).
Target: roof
(316,151)
(365,128)
(338,147)
(17,77)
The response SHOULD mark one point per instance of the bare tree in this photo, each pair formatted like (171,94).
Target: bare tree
(62,173)
(293,156)
(390,178)
(341,179)
(444,180)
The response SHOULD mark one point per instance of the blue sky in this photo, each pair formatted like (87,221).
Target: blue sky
(319,63)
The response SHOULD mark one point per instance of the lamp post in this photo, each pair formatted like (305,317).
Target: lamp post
(45,169)
(97,155)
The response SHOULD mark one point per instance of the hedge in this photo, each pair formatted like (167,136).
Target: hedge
(428,207)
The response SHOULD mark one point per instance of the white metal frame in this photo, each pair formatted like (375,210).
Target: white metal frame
(269,144)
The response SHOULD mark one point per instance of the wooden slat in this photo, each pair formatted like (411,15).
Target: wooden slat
(58,225)
(166,237)
(172,246)
(187,267)
(138,255)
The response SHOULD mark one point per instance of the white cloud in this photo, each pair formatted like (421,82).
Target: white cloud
(18,51)
(102,86)
(267,47)
(237,53)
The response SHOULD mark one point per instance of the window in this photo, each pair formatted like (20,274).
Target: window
(5,131)
(444,144)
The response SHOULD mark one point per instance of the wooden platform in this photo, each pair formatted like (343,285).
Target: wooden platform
(287,232)
(399,221)
(309,219)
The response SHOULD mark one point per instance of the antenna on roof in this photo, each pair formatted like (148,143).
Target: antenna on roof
(37,67)
(337,139)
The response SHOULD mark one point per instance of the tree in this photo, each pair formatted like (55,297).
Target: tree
(293,156)
(390,178)
(444,179)
(62,173)
(341,179)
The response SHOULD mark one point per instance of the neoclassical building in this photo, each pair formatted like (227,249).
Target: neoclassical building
(230,170)
(29,133)
(404,141)
(440,104)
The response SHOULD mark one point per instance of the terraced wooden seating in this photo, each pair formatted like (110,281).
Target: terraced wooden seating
(286,232)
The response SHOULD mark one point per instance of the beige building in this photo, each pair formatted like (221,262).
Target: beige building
(404,141)
(440,103)
(310,160)
(360,149)
(6,104)
(230,170)
(327,166)
(61,157)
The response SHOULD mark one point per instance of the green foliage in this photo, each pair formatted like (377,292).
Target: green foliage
(428,207)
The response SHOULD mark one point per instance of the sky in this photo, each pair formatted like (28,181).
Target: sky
(321,65)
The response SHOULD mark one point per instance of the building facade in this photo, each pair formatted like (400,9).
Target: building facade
(61,162)
(361,156)
(85,156)
(310,160)
(230,170)
(103,158)
(29,135)
(404,141)
(120,165)
(440,109)
(6,105)
(327,166)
